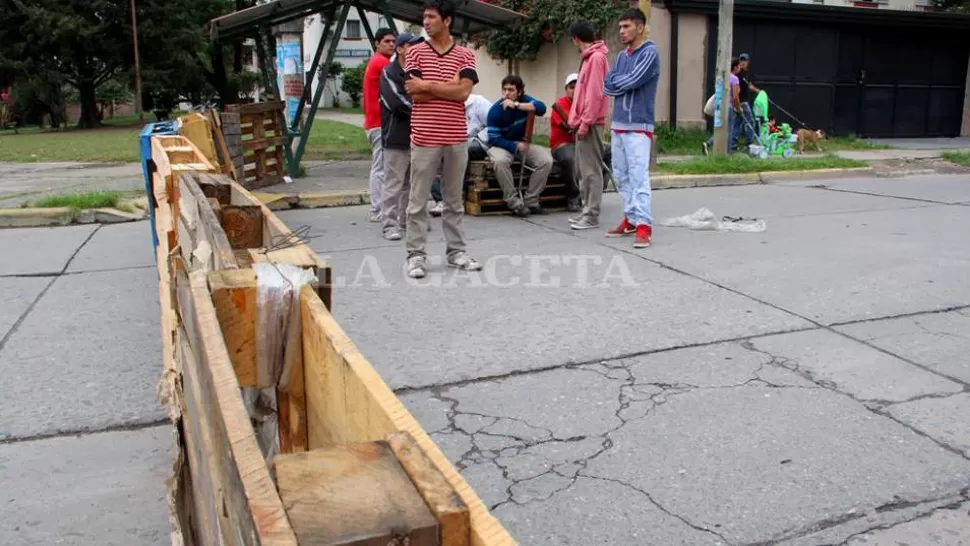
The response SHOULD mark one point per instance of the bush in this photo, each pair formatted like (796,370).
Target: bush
(353,82)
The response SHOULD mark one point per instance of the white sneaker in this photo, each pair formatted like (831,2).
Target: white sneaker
(392,234)
(375,216)
(437,209)
(417,267)
(464,262)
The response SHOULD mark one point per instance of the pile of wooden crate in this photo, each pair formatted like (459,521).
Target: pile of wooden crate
(484,195)
(285,433)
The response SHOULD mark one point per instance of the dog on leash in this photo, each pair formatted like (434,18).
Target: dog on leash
(806,136)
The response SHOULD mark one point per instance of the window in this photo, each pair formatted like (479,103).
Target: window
(353,30)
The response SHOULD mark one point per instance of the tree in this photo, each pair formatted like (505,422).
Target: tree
(353,82)
(956,6)
(547,20)
(81,42)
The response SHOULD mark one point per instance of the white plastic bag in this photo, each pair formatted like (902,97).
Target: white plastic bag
(704,220)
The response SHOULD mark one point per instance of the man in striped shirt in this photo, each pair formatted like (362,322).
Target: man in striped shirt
(440,76)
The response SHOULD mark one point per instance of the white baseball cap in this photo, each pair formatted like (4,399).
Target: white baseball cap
(571,78)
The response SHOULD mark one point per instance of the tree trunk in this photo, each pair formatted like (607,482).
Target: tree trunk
(89,106)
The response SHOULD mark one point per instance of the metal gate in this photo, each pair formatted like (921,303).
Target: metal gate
(865,81)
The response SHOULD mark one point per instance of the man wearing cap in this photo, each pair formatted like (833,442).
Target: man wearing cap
(562,141)
(587,117)
(396,139)
(745,122)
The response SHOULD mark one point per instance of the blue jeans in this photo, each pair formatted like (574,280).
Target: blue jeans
(631,171)
(746,125)
(732,132)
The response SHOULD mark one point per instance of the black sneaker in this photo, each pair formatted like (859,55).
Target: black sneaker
(521,211)
(537,210)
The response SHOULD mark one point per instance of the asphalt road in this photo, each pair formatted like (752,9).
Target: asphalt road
(806,385)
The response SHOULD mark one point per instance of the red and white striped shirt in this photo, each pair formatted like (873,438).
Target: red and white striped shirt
(440,122)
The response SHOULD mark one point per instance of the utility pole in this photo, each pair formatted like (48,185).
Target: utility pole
(134,34)
(722,78)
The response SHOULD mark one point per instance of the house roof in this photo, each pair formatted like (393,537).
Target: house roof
(470,15)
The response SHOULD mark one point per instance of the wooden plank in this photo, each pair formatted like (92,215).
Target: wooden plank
(251,145)
(249,502)
(254,107)
(243,225)
(353,495)
(215,187)
(348,402)
(234,298)
(441,498)
(209,227)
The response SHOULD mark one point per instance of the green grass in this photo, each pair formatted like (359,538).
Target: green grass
(960,158)
(80,201)
(341,110)
(679,141)
(833,144)
(740,164)
(336,140)
(109,144)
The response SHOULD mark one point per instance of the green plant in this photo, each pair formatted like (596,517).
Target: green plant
(81,201)
(353,83)
(960,158)
(547,21)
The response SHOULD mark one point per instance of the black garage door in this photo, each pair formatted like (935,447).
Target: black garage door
(865,81)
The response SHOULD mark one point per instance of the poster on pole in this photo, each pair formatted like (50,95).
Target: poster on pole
(289,70)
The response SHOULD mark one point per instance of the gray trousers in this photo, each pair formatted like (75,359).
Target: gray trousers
(376,168)
(537,158)
(425,161)
(397,188)
(589,170)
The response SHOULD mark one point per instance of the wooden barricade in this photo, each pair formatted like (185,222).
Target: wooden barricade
(351,466)
(255,142)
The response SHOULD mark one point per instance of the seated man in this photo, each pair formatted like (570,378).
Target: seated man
(476,115)
(562,140)
(506,134)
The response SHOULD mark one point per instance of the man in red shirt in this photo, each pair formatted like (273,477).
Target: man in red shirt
(441,75)
(383,49)
(562,142)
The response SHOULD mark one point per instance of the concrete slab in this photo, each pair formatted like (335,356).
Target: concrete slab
(602,512)
(938,341)
(100,489)
(346,228)
(17,293)
(116,247)
(851,367)
(944,419)
(40,251)
(945,527)
(531,307)
(838,268)
(940,188)
(87,357)
(761,464)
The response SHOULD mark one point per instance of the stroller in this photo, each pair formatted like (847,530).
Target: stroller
(770,143)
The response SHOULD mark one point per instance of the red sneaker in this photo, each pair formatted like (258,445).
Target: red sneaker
(625,228)
(643,236)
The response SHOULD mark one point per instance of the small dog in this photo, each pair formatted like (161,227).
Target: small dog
(809,137)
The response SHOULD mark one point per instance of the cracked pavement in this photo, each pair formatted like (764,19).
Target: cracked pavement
(807,385)
(804,386)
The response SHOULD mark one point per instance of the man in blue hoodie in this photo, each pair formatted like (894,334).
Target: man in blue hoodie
(632,82)
(506,134)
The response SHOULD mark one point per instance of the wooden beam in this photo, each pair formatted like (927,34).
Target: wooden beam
(243,225)
(348,402)
(441,498)
(353,495)
(245,494)
(234,299)
(208,227)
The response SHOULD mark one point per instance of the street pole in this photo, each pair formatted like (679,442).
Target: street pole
(134,34)
(722,78)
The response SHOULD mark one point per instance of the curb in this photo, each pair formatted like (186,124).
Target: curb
(63,216)
(313,200)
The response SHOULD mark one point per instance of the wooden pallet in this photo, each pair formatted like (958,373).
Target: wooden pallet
(484,195)
(260,143)
(550,203)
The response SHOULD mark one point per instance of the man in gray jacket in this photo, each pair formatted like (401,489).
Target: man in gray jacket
(396,139)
